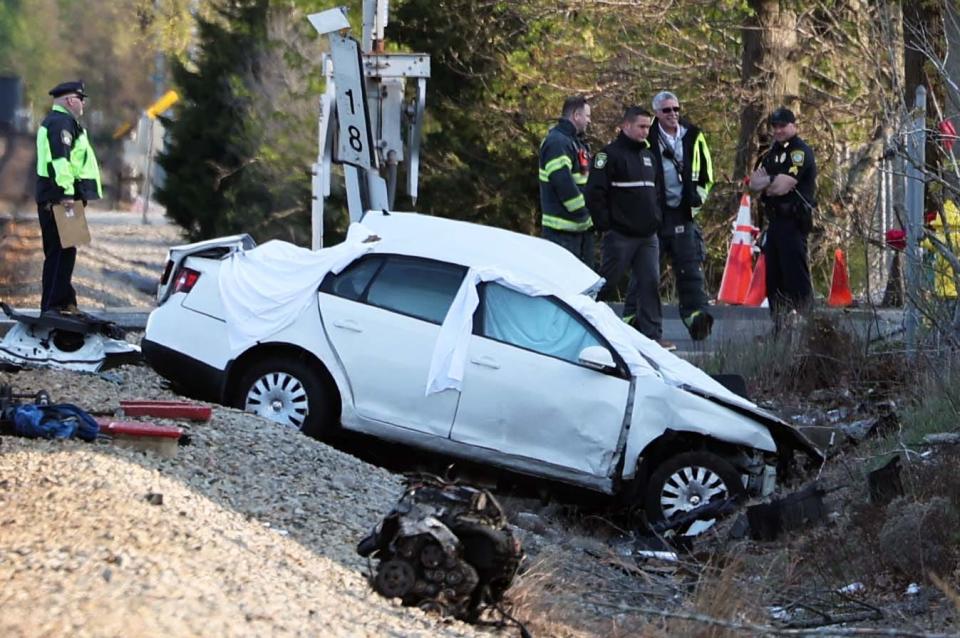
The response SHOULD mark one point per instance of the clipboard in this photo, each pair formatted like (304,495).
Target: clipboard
(71,225)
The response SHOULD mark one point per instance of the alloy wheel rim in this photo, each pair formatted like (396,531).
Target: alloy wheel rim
(279,397)
(689,488)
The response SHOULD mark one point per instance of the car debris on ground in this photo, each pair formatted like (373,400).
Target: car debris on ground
(444,547)
(78,341)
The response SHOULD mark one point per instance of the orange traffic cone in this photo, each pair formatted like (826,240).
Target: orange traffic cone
(757,291)
(840,294)
(736,273)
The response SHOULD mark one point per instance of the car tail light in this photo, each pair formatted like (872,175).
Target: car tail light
(186,279)
(167,269)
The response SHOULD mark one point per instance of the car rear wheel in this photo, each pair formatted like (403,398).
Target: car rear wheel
(687,481)
(288,392)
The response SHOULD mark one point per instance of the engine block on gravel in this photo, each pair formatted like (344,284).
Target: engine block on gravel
(444,547)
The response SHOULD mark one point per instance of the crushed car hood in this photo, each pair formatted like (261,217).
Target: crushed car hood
(783,433)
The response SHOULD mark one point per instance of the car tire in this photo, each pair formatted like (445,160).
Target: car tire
(689,480)
(286,391)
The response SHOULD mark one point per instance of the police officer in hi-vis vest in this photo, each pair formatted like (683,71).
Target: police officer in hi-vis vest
(67,172)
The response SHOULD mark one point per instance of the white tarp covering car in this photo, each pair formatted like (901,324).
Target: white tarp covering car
(471,341)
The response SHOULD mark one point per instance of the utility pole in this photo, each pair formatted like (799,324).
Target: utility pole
(159,80)
(364,113)
(916,146)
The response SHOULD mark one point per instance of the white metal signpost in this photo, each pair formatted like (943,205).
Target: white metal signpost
(363,114)
(356,142)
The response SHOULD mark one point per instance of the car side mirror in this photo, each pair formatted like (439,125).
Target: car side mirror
(597,357)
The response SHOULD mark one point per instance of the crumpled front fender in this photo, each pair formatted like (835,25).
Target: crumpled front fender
(659,407)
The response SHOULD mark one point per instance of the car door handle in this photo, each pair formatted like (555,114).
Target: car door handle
(348,324)
(486,362)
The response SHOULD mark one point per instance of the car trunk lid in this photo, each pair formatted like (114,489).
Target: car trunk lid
(211,248)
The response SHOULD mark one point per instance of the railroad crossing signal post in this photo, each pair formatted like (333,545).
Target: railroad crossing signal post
(363,114)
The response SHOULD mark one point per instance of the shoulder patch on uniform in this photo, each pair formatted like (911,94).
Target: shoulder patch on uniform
(797,157)
(66,137)
(600,160)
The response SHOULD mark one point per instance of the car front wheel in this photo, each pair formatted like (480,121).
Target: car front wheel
(285,391)
(687,481)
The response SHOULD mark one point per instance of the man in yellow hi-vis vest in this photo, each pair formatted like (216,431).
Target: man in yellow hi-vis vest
(67,172)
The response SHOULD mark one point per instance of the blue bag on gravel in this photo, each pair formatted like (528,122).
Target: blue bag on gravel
(58,421)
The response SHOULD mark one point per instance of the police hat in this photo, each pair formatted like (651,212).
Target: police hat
(783,115)
(66,88)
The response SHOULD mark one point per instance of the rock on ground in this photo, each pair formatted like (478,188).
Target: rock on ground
(254,533)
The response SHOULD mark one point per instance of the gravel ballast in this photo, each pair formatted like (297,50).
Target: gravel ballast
(248,531)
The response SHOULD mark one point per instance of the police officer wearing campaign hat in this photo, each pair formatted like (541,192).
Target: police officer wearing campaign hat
(67,172)
(786,179)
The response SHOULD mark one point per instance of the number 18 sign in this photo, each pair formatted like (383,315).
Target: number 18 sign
(356,142)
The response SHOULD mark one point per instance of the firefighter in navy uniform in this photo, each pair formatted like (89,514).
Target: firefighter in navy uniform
(67,172)
(786,180)
(622,194)
(564,167)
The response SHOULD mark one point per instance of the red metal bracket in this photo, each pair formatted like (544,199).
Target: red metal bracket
(167,409)
(136,428)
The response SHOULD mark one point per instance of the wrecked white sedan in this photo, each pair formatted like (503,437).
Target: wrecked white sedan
(466,340)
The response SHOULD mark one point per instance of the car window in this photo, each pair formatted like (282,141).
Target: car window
(541,324)
(352,280)
(419,288)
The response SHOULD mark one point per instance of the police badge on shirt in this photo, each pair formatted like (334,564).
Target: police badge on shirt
(796,162)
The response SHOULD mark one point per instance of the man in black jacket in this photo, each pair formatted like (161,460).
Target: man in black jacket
(623,201)
(686,172)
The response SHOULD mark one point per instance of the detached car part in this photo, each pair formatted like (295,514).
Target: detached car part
(80,342)
(444,547)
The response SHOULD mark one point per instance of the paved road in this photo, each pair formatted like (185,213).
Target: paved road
(739,325)
(119,269)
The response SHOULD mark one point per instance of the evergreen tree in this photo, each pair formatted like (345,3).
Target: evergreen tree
(237,159)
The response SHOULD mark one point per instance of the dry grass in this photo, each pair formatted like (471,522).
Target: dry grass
(721,594)
(541,597)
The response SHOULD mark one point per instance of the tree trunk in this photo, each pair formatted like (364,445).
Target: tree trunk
(951,16)
(770,75)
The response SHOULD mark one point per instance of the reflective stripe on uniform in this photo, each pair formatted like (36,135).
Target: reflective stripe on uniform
(559,223)
(556,164)
(575,203)
(580,179)
(86,167)
(632,184)
(701,144)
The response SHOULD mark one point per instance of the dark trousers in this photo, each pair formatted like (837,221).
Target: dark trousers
(641,256)
(788,274)
(682,243)
(58,264)
(580,243)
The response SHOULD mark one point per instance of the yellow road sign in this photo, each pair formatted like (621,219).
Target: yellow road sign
(167,100)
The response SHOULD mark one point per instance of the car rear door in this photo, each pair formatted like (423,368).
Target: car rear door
(525,394)
(382,316)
